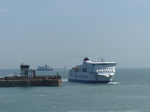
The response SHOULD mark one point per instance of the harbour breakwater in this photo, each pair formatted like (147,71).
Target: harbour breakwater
(15,81)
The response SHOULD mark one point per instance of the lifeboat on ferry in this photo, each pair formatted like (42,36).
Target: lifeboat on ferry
(74,68)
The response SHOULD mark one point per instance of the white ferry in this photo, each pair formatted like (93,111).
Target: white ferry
(92,72)
(44,68)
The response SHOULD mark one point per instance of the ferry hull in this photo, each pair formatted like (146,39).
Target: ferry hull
(90,79)
(44,69)
(87,81)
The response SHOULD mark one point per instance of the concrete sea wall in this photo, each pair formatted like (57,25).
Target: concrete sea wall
(31,81)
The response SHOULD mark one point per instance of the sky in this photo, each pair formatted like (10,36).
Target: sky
(62,32)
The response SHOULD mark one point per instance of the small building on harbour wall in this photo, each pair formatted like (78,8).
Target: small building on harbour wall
(28,78)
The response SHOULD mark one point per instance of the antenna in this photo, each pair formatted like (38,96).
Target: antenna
(21,60)
(102,59)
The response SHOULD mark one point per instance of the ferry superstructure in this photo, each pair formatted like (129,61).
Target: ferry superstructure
(92,72)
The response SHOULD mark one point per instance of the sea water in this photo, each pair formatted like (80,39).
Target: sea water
(129,93)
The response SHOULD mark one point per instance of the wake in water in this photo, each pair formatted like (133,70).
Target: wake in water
(64,80)
(113,83)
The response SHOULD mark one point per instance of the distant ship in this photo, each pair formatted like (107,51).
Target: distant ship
(92,72)
(65,67)
(44,68)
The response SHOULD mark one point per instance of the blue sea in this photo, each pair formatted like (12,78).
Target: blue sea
(129,93)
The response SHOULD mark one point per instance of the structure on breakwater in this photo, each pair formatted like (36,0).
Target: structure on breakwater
(28,78)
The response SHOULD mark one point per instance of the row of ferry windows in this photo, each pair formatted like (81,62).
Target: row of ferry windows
(82,70)
(105,71)
(85,70)
(104,66)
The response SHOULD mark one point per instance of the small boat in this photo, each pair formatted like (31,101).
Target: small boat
(44,68)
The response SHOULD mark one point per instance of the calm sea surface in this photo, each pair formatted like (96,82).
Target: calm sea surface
(129,93)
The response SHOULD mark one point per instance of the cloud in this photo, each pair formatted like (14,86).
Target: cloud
(3,10)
